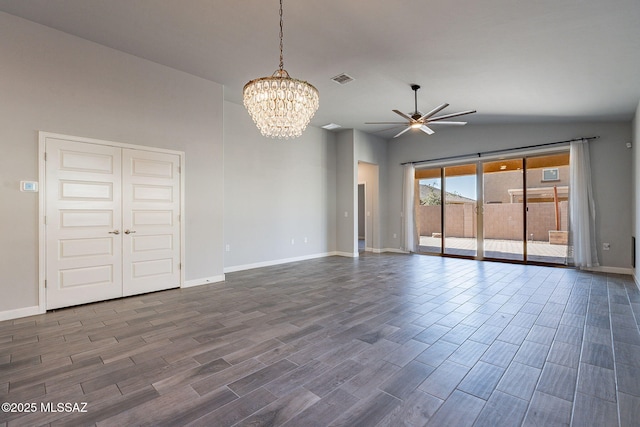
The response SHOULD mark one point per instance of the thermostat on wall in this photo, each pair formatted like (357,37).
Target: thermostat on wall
(29,186)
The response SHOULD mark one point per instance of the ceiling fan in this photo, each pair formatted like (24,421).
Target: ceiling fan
(417,120)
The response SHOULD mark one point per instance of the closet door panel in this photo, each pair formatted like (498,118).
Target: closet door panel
(83,223)
(151,221)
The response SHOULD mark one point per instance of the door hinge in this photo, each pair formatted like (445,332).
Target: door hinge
(45,283)
(45,220)
(45,156)
(179,266)
(179,169)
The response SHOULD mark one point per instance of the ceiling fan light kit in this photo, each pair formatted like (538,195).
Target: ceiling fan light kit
(417,120)
(280,106)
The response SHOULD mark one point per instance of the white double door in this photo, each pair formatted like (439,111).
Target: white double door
(112,222)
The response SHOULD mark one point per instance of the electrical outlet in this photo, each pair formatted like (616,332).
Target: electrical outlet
(395,236)
(293,242)
(306,240)
(228,248)
(606,246)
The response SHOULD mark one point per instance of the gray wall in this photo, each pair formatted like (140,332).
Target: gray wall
(346,200)
(610,161)
(276,191)
(55,82)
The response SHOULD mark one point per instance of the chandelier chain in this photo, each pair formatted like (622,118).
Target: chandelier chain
(281,37)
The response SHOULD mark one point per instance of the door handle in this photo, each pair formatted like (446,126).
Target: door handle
(114,232)
(129,231)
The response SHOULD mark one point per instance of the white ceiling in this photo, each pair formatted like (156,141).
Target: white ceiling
(513,61)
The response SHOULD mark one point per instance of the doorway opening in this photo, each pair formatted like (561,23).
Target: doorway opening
(366,224)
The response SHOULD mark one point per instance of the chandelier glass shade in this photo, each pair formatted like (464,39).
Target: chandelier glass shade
(280,106)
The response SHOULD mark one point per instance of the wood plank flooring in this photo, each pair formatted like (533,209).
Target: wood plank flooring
(382,340)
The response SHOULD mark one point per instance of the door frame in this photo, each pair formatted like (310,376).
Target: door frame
(363,214)
(42,232)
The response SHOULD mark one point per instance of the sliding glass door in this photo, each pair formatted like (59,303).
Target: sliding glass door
(446,211)
(460,210)
(502,210)
(429,210)
(548,208)
(508,209)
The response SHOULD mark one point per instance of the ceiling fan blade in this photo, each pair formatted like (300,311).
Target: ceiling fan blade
(447,116)
(400,113)
(427,130)
(385,123)
(403,131)
(434,111)
(447,123)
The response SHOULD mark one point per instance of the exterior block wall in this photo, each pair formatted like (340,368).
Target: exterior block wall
(503,221)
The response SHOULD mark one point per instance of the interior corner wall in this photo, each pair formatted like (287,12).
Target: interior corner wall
(55,82)
(346,194)
(611,168)
(279,202)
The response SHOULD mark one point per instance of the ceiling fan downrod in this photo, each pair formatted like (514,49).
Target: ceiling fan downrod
(415,97)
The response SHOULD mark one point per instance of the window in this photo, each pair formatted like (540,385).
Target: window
(550,174)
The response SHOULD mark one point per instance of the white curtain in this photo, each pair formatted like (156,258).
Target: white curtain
(582,212)
(408,217)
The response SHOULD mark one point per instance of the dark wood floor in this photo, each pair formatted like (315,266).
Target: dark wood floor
(389,340)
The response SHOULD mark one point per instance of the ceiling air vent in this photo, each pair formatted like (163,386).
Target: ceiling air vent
(342,79)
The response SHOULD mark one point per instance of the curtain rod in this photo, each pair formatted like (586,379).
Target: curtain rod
(484,153)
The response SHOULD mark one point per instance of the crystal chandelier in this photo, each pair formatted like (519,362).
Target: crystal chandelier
(279,105)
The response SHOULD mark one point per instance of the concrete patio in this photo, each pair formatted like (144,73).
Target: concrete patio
(501,249)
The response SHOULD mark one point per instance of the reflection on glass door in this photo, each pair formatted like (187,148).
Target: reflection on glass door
(460,210)
(503,210)
(429,210)
(547,208)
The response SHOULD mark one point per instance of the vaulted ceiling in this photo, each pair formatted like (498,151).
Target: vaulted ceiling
(514,61)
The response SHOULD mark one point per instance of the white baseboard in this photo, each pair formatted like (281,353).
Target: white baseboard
(203,281)
(612,270)
(394,250)
(346,254)
(383,250)
(276,262)
(20,312)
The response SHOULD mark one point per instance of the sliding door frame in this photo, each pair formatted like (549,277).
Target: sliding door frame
(479,211)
